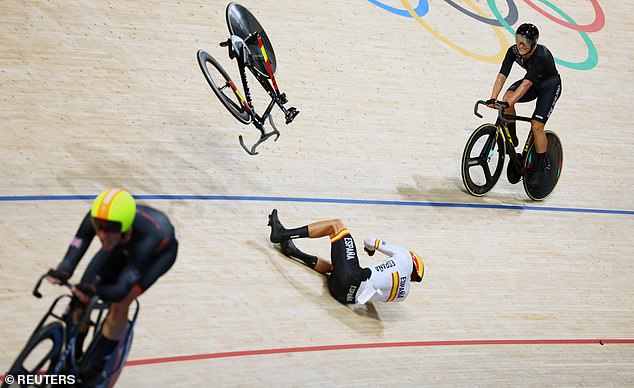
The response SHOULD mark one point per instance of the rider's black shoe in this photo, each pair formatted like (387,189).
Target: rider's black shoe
(277,229)
(512,173)
(537,177)
(289,249)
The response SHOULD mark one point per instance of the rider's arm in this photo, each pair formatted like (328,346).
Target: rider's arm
(367,292)
(498,85)
(371,244)
(505,70)
(77,247)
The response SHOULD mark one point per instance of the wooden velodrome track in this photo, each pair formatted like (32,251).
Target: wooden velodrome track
(516,293)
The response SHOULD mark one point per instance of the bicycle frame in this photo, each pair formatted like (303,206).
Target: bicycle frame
(70,340)
(271,88)
(68,361)
(503,129)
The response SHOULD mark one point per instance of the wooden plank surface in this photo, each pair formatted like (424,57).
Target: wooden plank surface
(95,94)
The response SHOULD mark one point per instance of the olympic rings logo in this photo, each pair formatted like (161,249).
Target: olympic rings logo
(507,21)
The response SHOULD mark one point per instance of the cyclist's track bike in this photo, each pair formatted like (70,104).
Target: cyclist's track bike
(52,348)
(249,45)
(483,157)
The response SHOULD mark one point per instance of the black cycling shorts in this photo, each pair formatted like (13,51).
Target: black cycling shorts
(347,274)
(106,268)
(546,92)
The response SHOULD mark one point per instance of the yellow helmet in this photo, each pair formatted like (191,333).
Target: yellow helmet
(116,207)
(419,268)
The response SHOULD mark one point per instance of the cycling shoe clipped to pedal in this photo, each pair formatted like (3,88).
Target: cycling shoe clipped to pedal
(512,173)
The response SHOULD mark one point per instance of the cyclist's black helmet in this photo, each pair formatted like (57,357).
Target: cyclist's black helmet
(529,32)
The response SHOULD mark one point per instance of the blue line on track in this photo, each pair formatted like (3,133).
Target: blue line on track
(21,198)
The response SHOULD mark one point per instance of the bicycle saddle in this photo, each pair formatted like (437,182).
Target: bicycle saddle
(240,50)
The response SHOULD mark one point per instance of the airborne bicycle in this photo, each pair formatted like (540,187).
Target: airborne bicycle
(53,347)
(484,153)
(249,45)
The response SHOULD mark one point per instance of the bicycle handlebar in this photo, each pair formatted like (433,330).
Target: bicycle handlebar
(501,105)
(36,290)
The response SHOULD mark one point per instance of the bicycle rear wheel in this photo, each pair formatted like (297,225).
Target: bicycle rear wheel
(555,156)
(41,353)
(242,23)
(483,160)
(223,87)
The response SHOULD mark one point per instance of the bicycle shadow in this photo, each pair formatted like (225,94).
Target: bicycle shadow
(368,312)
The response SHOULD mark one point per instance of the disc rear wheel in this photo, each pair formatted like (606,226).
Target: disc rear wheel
(555,157)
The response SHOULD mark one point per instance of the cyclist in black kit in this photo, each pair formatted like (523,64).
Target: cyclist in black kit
(138,245)
(541,82)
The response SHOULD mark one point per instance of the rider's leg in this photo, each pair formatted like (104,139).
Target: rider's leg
(116,324)
(541,147)
(102,267)
(325,228)
(317,263)
(547,95)
(114,328)
(313,230)
(541,143)
(511,123)
(72,316)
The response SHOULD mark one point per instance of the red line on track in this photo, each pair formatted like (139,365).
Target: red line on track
(303,349)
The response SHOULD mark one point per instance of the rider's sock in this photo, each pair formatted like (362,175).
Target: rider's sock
(301,232)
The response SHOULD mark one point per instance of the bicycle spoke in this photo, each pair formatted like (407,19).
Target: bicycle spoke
(487,171)
(488,147)
(473,162)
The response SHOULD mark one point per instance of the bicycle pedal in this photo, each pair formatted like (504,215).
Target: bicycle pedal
(291,113)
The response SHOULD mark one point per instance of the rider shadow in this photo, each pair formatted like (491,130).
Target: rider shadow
(452,190)
(368,313)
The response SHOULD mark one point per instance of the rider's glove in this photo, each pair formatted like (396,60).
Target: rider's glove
(86,288)
(59,275)
(368,246)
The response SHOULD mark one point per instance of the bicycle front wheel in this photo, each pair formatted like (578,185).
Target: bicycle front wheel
(482,160)
(40,354)
(223,87)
